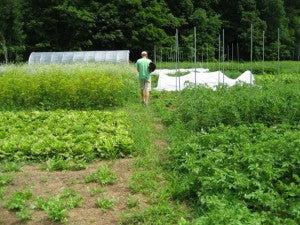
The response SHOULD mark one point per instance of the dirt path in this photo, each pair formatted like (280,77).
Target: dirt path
(44,183)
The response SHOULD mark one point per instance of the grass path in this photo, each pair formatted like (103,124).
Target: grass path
(149,177)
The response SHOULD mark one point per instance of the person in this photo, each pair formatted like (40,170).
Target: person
(144,76)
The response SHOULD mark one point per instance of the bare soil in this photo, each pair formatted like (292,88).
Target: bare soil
(44,184)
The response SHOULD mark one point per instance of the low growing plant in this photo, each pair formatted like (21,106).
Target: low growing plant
(3,190)
(10,167)
(59,164)
(94,191)
(18,200)
(106,203)
(56,209)
(5,179)
(103,176)
(132,201)
(58,206)
(24,214)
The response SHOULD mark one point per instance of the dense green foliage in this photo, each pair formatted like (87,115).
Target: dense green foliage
(11,32)
(140,24)
(234,152)
(242,104)
(40,135)
(244,174)
(67,86)
(269,104)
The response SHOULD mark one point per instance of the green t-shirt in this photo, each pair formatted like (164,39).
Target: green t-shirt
(143,65)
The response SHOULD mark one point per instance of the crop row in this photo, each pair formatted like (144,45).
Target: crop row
(67,86)
(203,108)
(39,135)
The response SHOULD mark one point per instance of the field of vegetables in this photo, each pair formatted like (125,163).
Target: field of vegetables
(229,156)
(79,86)
(68,119)
(235,152)
(39,135)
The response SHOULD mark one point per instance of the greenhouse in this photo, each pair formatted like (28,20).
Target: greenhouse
(83,56)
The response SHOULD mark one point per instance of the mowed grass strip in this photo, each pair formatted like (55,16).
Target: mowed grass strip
(39,135)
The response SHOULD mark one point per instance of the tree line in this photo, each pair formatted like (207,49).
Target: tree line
(74,25)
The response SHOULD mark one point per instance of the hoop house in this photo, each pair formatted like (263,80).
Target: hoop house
(73,57)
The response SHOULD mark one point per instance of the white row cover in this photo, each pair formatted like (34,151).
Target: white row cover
(73,57)
(203,77)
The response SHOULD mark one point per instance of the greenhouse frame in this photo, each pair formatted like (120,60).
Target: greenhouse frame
(83,56)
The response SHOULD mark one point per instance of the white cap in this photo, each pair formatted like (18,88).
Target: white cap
(144,53)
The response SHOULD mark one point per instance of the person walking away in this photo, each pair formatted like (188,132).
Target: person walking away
(144,76)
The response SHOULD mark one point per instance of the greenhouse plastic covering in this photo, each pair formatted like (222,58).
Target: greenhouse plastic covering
(73,57)
(203,77)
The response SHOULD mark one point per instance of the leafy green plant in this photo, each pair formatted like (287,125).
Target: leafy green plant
(5,179)
(9,167)
(59,164)
(3,190)
(132,201)
(73,199)
(76,165)
(24,214)
(55,164)
(247,169)
(94,191)
(106,203)
(56,209)
(58,206)
(18,200)
(103,176)
(66,138)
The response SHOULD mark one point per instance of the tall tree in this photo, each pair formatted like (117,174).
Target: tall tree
(66,25)
(147,23)
(58,25)
(273,12)
(11,30)
(293,13)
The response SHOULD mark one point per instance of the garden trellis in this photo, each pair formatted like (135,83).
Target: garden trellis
(190,52)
